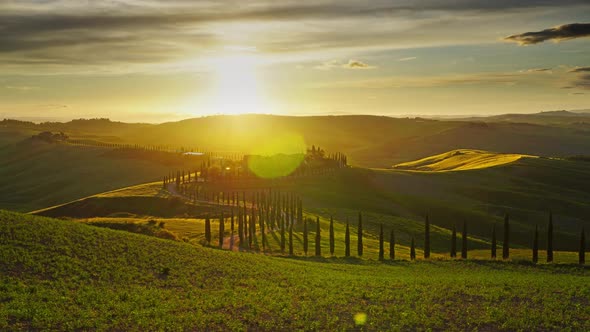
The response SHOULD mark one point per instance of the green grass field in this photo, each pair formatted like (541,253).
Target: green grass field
(63,275)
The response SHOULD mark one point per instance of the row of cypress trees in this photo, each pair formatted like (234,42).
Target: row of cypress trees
(247,237)
(505,243)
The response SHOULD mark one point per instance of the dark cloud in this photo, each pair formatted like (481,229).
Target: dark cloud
(562,32)
(579,69)
(582,82)
(149,31)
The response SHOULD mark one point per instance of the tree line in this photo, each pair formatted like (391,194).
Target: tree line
(221,170)
(252,224)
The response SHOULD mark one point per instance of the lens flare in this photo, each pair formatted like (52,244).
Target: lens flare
(279,157)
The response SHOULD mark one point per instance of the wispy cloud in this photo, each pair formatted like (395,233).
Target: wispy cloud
(407,59)
(485,78)
(20,87)
(351,64)
(559,33)
(537,70)
(356,64)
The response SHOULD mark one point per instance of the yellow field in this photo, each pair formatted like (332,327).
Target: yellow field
(460,160)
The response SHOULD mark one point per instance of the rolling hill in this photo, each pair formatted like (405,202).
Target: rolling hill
(526,188)
(460,160)
(34,174)
(60,275)
(369,141)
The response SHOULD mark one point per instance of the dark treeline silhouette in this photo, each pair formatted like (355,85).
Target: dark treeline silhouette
(229,169)
(262,212)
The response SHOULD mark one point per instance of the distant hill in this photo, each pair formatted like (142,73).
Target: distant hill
(369,141)
(560,118)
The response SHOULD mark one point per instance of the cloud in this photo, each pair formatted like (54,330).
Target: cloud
(537,70)
(328,65)
(441,81)
(20,87)
(582,82)
(407,59)
(581,78)
(356,64)
(351,64)
(579,69)
(132,35)
(562,32)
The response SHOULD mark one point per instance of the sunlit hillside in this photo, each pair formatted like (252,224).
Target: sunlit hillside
(461,160)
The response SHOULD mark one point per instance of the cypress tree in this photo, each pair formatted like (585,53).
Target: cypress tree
(360,235)
(347,240)
(291,240)
(506,243)
(412,250)
(550,239)
(262,229)
(305,236)
(391,245)
(536,246)
(464,241)
(582,250)
(207,230)
(494,242)
(381,249)
(426,238)
(283,224)
(221,230)
(454,242)
(240,227)
(332,241)
(318,248)
(231,239)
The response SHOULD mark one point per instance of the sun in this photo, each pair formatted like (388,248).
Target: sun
(236,87)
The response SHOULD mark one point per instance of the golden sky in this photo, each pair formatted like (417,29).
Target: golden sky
(154,61)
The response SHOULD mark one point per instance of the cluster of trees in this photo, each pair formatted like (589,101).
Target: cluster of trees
(265,211)
(216,168)
(188,152)
(318,153)
(50,137)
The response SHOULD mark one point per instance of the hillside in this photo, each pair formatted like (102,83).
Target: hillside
(34,174)
(460,160)
(527,189)
(64,276)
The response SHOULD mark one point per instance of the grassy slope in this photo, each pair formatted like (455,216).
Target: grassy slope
(460,160)
(526,189)
(63,275)
(35,175)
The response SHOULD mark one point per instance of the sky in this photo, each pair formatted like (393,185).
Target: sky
(157,61)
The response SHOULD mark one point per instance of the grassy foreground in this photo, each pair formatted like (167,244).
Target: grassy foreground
(65,275)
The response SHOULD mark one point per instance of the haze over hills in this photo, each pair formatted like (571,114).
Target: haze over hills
(372,141)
